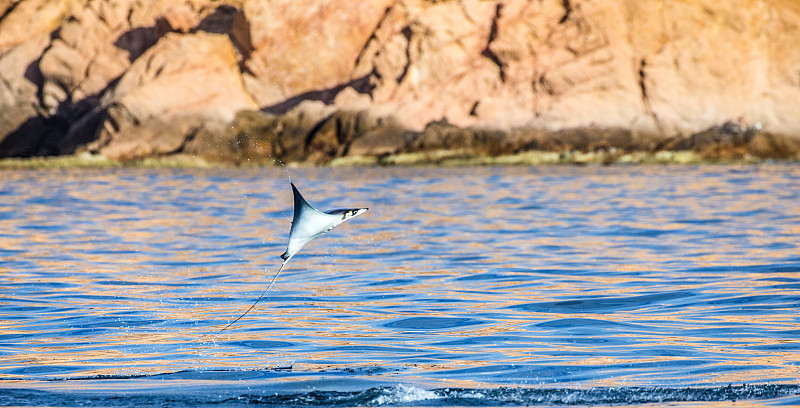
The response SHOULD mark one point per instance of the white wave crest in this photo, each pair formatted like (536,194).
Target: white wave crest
(401,393)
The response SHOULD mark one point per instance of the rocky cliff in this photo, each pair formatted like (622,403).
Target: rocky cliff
(314,80)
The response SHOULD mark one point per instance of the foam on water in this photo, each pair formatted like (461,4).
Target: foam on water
(403,394)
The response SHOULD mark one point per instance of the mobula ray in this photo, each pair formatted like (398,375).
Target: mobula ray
(307,224)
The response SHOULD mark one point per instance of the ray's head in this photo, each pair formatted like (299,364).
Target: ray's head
(348,213)
(357,212)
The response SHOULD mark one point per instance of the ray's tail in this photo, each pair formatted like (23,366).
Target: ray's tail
(285,261)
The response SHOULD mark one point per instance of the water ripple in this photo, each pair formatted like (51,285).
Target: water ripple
(594,278)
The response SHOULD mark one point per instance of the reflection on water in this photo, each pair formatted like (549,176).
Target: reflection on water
(469,277)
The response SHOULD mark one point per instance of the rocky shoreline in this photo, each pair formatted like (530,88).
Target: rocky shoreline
(255,138)
(252,140)
(442,158)
(400,82)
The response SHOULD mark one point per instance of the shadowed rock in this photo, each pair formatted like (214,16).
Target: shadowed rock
(162,86)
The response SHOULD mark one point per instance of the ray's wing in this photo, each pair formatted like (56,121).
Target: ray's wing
(307,224)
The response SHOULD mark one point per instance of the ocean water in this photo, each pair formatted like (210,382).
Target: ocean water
(477,286)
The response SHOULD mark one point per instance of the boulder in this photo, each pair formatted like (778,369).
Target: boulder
(704,63)
(256,137)
(305,48)
(503,65)
(441,135)
(767,145)
(25,20)
(182,76)
(21,130)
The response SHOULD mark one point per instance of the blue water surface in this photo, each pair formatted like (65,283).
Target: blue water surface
(461,286)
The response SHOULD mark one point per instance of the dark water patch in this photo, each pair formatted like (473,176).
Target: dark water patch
(786,346)
(44,286)
(632,231)
(135,283)
(779,279)
(469,258)
(432,323)
(7,252)
(40,370)
(765,268)
(701,221)
(602,395)
(779,245)
(590,325)
(386,296)
(743,304)
(391,282)
(263,344)
(483,277)
(497,340)
(751,300)
(600,304)
(210,277)
(553,372)
(377,349)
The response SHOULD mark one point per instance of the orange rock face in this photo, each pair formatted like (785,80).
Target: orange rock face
(131,79)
